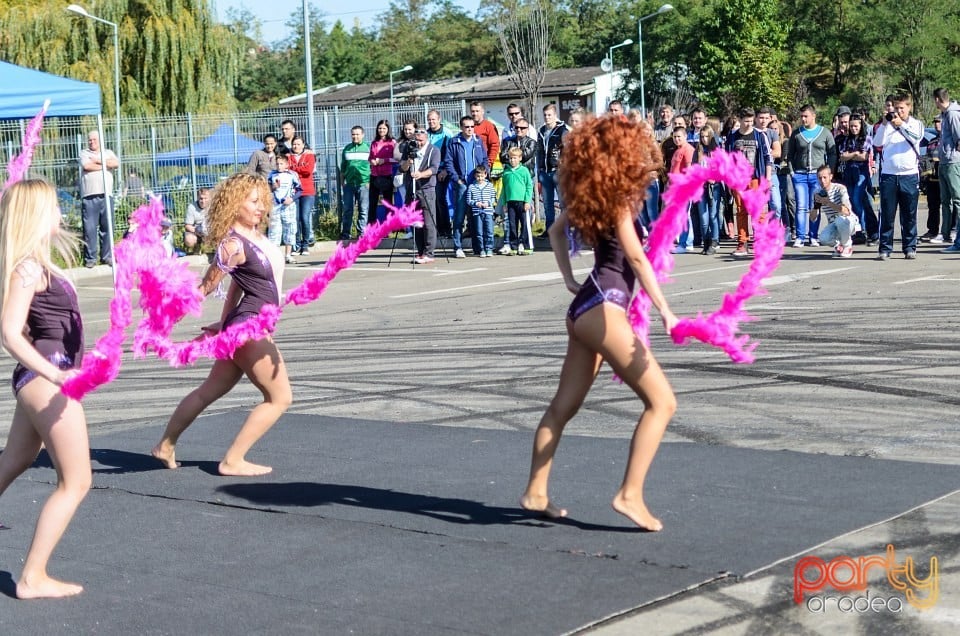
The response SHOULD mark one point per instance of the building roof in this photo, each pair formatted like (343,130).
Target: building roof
(579,81)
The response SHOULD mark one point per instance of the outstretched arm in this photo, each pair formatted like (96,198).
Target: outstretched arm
(627,235)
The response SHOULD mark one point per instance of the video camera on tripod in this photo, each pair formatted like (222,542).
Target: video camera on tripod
(411,150)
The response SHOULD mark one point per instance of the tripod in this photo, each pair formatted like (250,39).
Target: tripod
(426,208)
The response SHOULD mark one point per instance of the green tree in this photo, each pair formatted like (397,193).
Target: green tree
(174,56)
(741,59)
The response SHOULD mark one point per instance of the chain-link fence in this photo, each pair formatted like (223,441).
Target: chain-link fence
(173,156)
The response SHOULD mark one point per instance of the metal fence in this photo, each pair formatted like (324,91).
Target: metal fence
(175,155)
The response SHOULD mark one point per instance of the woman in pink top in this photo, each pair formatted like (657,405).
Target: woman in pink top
(381,167)
(302,161)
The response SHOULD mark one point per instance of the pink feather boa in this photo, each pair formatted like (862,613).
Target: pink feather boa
(154,331)
(18,166)
(169,291)
(721,327)
(139,255)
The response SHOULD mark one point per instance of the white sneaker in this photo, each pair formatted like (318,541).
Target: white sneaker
(798,243)
(521,250)
(814,242)
(460,254)
(505,250)
(938,240)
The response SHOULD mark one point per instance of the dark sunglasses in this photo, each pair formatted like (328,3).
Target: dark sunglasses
(514,113)
(466,126)
(522,127)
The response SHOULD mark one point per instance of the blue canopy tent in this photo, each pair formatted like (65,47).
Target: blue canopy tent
(23,91)
(225,146)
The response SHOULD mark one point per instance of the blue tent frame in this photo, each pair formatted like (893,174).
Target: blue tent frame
(23,91)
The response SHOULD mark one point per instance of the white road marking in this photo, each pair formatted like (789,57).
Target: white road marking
(936,277)
(548,276)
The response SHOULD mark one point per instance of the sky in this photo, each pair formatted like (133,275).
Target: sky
(273,14)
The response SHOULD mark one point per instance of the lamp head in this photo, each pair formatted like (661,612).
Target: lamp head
(665,8)
(76,8)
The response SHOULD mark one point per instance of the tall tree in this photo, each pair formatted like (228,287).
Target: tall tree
(524,35)
(174,56)
(741,58)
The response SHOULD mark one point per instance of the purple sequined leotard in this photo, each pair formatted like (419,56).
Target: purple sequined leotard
(55,328)
(255,278)
(611,281)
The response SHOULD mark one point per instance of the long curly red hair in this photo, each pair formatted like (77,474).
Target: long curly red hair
(606,167)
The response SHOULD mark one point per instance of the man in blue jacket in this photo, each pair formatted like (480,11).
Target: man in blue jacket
(464,153)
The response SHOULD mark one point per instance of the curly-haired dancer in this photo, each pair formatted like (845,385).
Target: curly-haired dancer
(607,166)
(234,222)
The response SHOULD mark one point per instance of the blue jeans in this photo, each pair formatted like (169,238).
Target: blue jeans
(709,208)
(651,205)
(551,195)
(686,236)
(353,195)
(483,230)
(856,182)
(305,221)
(776,202)
(459,214)
(899,191)
(96,229)
(805,184)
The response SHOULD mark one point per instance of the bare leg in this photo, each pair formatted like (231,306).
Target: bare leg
(264,365)
(580,368)
(611,333)
(62,426)
(23,445)
(223,376)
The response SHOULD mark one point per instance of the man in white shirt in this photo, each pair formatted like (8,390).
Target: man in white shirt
(96,184)
(899,134)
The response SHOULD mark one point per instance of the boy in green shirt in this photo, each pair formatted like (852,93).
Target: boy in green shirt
(518,193)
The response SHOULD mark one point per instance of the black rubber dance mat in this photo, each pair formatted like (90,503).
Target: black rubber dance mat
(373,528)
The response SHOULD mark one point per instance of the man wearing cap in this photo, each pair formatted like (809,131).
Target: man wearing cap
(841,121)
(949,164)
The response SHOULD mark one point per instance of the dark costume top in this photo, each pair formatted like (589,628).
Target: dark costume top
(612,279)
(55,328)
(255,279)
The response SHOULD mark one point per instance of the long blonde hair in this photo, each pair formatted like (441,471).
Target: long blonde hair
(26,210)
(226,200)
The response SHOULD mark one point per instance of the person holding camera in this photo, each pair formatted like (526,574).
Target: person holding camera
(419,167)
(899,134)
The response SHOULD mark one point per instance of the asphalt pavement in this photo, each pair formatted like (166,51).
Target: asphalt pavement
(857,362)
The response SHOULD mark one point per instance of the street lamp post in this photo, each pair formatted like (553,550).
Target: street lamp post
(626,42)
(74,8)
(662,9)
(399,70)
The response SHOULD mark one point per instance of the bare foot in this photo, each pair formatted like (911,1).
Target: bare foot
(543,505)
(243,469)
(47,587)
(637,512)
(166,455)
